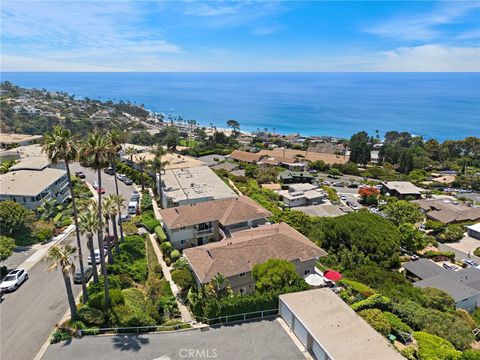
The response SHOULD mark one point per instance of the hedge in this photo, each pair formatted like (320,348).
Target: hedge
(432,347)
(376,301)
(150,225)
(146,202)
(377,320)
(358,287)
(161,237)
(91,316)
(439,255)
(396,323)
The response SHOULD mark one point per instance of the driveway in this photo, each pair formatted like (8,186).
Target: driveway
(260,340)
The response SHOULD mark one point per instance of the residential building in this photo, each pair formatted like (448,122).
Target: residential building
(302,195)
(328,148)
(295,177)
(13,140)
(330,330)
(191,185)
(211,160)
(448,211)
(32,188)
(235,257)
(474,231)
(462,285)
(171,160)
(402,189)
(227,166)
(210,221)
(244,156)
(374,156)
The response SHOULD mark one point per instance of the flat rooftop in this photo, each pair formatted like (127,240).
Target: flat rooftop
(194,183)
(403,187)
(31,163)
(337,328)
(172,160)
(28,182)
(16,138)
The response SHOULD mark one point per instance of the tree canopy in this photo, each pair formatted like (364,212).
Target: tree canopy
(275,274)
(7,245)
(400,212)
(15,219)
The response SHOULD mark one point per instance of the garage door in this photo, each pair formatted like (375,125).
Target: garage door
(301,332)
(286,314)
(317,351)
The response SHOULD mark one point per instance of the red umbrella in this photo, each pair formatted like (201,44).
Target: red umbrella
(332,275)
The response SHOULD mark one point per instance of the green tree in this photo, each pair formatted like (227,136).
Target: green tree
(219,287)
(171,138)
(88,224)
(452,233)
(158,165)
(109,211)
(360,148)
(15,219)
(400,212)
(275,274)
(7,245)
(95,153)
(60,257)
(412,238)
(235,125)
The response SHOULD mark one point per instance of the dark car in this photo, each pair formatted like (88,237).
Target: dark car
(123,218)
(127,181)
(109,171)
(108,241)
(80,174)
(77,278)
(101,190)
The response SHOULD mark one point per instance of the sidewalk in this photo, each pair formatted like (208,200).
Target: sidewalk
(186,316)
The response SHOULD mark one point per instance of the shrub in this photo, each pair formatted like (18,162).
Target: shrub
(357,287)
(167,306)
(396,323)
(409,352)
(183,278)
(431,347)
(377,320)
(91,316)
(175,255)
(470,355)
(452,233)
(376,301)
(476,252)
(135,299)
(161,237)
(146,202)
(439,255)
(97,301)
(43,231)
(59,335)
(150,225)
(437,299)
(166,248)
(129,227)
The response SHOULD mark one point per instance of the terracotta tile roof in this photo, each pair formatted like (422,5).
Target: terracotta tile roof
(244,156)
(226,211)
(291,155)
(250,247)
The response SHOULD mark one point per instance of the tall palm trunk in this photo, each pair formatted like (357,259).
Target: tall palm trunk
(92,256)
(70,297)
(100,242)
(109,246)
(115,232)
(114,166)
(77,230)
(159,187)
(141,174)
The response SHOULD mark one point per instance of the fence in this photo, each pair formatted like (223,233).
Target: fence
(135,329)
(228,319)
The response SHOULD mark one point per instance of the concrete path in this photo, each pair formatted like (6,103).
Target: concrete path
(459,255)
(186,316)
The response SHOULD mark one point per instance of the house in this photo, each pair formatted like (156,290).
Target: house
(283,155)
(448,211)
(328,148)
(374,156)
(13,140)
(244,156)
(235,257)
(171,160)
(462,285)
(210,221)
(227,166)
(302,195)
(295,177)
(474,231)
(402,189)
(330,330)
(191,185)
(212,159)
(32,188)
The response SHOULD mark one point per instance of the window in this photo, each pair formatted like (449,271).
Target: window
(242,291)
(242,275)
(306,272)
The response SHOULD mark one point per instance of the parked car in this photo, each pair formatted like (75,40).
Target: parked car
(80,174)
(108,241)
(135,196)
(13,280)
(123,218)
(343,197)
(449,266)
(120,177)
(101,190)
(97,257)
(470,262)
(353,186)
(127,181)
(95,185)
(109,171)
(77,278)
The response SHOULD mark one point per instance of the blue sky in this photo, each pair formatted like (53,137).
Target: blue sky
(240,36)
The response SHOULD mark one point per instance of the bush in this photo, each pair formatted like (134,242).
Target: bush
(431,347)
(97,301)
(376,301)
(161,237)
(409,352)
(42,230)
(150,225)
(166,248)
(452,233)
(175,255)
(183,278)
(437,299)
(357,287)
(59,335)
(91,316)
(377,320)
(129,227)
(476,252)
(146,202)
(397,324)
(439,255)
(135,299)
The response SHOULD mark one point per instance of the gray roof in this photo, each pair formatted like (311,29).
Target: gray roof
(457,290)
(225,166)
(423,268)
(211,159)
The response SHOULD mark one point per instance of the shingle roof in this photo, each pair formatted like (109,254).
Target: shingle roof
(403,187)
(244,156)
(423,268)
(456,289)
(226,211)
(250,247)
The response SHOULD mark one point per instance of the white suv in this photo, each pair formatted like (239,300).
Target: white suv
(13,280)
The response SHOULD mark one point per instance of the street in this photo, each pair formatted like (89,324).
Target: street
(29,314)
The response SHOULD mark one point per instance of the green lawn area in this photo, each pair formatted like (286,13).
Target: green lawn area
(189,143)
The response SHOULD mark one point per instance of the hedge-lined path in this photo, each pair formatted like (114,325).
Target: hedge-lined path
(186,316)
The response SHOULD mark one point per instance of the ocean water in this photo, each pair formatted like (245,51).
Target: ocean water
(434,105)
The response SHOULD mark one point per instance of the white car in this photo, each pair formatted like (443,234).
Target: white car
(97,257)
(120,177)
(13,280)
(95,185)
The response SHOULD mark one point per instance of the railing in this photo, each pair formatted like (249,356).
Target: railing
(204,231)
(135,329)
(228,319)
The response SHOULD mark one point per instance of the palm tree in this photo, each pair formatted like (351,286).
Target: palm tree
(130,151)
(119,201)
(109,208)
(61,145)
(61,257)
(95,152)
(142,161)
(116,141)
(89,225)
(157,165)
(219,287)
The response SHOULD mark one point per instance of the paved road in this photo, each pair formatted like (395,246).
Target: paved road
(255,340)
(459,255)
(28,315)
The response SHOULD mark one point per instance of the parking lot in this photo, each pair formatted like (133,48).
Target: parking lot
(260,340)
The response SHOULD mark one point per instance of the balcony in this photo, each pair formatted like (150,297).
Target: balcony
(204,232)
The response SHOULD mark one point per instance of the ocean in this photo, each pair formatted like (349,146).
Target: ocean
(433,105)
